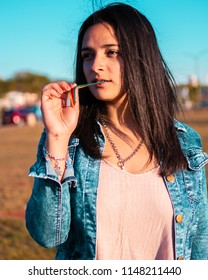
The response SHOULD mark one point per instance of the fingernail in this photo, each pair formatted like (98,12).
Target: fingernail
(74,84)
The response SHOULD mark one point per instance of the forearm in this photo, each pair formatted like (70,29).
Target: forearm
(48,212)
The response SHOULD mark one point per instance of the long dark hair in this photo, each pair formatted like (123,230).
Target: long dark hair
(149,84)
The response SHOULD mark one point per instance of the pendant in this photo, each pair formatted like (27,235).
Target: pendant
(121,164)
(58,170)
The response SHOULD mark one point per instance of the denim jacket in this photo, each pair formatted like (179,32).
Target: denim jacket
(64,214)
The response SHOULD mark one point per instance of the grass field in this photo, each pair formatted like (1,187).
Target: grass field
(17,153)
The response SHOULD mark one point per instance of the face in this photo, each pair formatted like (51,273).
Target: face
(102,61)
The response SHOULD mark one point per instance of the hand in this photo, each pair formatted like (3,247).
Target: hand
(59,120)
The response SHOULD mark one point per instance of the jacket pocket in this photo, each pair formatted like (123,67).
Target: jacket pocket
(196,159)
(194,176)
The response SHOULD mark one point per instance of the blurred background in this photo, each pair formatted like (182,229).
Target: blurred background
(37,46)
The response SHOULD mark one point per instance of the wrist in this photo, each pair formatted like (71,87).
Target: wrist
(57,145)
(56,150)
(59,164)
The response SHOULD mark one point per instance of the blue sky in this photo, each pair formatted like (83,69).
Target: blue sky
(40,35)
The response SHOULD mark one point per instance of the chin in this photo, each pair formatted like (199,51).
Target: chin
(102,97)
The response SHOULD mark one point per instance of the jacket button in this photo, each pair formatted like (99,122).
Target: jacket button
(170,178)
(180,258)
(179,218)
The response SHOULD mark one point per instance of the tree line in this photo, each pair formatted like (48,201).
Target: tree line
(31,82)
(24,82)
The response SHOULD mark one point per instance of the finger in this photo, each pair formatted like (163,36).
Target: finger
(55,86)
(66,86)
(50,86)
(49,94)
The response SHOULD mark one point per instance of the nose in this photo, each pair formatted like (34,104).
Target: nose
(98,64)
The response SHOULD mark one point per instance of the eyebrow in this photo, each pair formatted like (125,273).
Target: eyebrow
(103,47)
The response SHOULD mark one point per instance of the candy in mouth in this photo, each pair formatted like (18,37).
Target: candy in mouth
(71,99)
(91,84)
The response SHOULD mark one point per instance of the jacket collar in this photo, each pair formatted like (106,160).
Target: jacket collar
(180,126)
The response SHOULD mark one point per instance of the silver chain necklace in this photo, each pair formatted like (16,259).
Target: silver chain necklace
(121,161)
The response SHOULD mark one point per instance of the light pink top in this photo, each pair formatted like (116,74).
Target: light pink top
(134,216)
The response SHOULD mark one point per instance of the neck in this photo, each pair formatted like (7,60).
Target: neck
(119,115)
(120,121)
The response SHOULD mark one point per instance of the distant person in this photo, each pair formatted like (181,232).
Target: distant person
(117,177)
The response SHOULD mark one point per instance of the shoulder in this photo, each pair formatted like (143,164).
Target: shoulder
(187,136)
(191,146)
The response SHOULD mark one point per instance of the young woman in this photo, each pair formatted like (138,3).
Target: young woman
(116,176)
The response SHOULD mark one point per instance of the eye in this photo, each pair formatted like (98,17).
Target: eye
(113,53)
(87,55)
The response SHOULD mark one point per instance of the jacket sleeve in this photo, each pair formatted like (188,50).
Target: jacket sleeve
(200,241)
(48,213)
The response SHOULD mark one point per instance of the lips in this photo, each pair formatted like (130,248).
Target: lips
(100,80)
